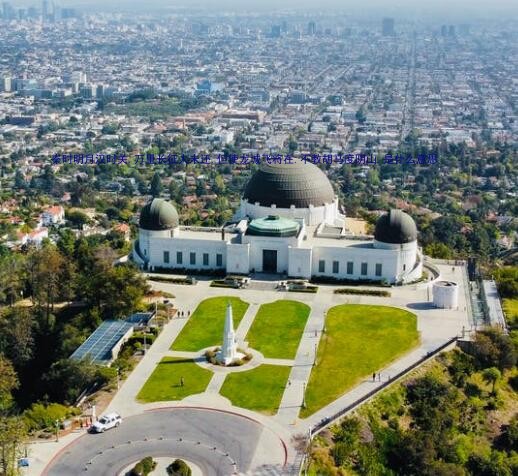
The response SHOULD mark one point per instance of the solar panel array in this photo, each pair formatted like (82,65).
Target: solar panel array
(140,318)
(99,345)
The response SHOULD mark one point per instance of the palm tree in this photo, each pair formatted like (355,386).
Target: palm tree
(491,375)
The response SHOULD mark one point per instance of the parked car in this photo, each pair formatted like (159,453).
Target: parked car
(111,420)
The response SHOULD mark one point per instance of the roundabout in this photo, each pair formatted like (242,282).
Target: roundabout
(193,434)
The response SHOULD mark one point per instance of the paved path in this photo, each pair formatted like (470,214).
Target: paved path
(284,362)
(216,383)
(299,375)
(246,323)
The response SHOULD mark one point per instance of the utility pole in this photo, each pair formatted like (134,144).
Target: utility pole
(303,394)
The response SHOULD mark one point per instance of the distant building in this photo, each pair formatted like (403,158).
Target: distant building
(6,84)
(387,27)
(53,216)
(35,237)
(276,31)
(297,97)
(124,230)
(312,28)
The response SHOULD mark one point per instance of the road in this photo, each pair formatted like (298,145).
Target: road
(220,443)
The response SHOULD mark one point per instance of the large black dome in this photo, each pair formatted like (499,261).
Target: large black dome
(158,215)
(395,227)
(300,184)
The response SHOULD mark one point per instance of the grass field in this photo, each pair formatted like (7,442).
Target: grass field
(277,328)
(164,384)
(205,326)
(511,312)
(259,389)
(359,340)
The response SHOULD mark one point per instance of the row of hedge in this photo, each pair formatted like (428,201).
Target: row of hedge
(307,289)
(221,283)
(165,279)
(365,292)
(351,282)
(187,271)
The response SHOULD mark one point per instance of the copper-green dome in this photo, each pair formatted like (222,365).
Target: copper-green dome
(395,227)
(158,215)
(299,184)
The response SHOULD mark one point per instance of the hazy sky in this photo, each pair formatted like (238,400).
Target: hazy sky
(445,7)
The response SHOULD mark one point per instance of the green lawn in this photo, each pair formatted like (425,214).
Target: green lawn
(164,384)
(205,326)
(277,328)
(511,312)
(259,389)
(359,340)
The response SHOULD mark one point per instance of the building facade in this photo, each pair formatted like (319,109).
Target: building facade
(288,223)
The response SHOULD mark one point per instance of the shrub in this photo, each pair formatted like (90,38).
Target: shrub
(106,375)
(221,283)
(307,289)
(513,382)
(139,337)
(164,279)
(366,292)
(492,348)
(351,282)
(143,467)
(40,416)
(179,468)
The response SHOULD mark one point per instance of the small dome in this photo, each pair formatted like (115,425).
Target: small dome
(273,225)
(299,184)
(158,215)
(396,227)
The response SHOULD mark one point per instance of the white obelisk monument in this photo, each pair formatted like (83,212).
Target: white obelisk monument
(228,352)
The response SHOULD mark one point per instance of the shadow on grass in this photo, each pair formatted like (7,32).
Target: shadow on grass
(181,361)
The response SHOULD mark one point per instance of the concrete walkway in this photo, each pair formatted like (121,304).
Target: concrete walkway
(216,383)
(246,323)
(299,375)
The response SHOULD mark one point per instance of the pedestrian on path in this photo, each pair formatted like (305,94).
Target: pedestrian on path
(374,376)
(379,377)
(289,383)
(188,313)
(181,381)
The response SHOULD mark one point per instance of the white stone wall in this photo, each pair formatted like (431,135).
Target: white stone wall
(399,262)
(357,255)
(238,258)
(312,215)
(187,246)
(299,262)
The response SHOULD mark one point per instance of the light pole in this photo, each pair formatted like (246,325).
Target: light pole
(303,394)
(56,423)
(118,378)
(315,361)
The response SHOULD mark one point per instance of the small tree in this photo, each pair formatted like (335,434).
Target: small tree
(179,468)
(491,375)
(156,185)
